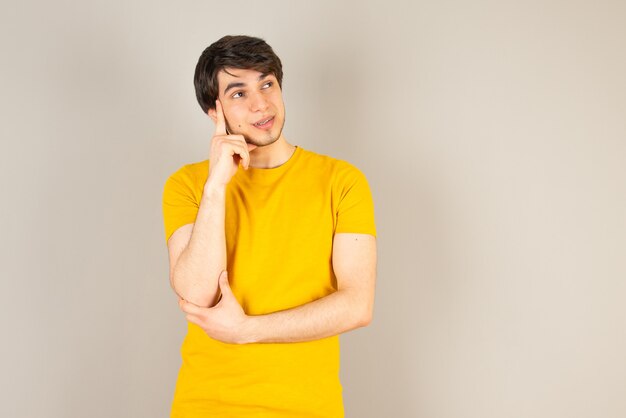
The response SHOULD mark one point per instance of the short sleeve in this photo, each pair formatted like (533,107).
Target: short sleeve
(355,208)
(180,201)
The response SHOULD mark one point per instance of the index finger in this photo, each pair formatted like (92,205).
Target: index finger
(220,123)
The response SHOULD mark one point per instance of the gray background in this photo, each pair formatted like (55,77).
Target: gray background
(493,137)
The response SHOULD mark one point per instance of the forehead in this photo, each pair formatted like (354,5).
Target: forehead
(239,75)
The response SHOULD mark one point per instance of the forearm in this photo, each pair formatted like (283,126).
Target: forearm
(334,314)
(195,276)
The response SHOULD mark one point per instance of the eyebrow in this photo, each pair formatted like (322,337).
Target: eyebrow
(236,84)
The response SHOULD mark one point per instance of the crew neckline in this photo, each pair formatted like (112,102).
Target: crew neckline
(270,174)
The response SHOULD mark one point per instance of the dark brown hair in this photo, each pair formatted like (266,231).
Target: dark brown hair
(243,52)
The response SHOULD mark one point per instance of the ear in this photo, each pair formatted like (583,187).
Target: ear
(212,114)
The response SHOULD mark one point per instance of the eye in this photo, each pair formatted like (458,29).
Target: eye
(237,95)
(267,85)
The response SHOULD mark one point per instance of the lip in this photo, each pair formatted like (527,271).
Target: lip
(263,118)
(268,125)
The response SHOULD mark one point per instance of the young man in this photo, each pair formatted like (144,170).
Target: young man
(272,252)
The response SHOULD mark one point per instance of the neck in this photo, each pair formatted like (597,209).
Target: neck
(273,155)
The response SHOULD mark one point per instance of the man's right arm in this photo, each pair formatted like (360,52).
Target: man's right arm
(197,252)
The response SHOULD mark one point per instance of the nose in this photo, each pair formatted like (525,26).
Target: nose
(258,101)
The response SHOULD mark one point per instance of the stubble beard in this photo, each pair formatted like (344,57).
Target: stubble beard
(259,142)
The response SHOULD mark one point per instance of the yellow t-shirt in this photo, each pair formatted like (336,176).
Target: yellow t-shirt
(280,224)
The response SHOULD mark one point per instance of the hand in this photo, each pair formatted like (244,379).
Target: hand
(227,151)
(226,321)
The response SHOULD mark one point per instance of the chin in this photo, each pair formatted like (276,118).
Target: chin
(264,141)
(261,142)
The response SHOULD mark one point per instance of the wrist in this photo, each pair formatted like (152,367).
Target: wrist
(252,330)
(213,190)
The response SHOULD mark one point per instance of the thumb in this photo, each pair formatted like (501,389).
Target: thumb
(251,146)
(224,285)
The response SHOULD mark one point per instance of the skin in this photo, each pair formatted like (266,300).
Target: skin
(197,251)
(236,110)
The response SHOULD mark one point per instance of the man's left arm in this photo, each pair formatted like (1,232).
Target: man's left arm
(350,307)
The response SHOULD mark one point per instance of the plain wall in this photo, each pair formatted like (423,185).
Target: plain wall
(493,136)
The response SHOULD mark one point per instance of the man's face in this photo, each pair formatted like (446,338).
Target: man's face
(253,105)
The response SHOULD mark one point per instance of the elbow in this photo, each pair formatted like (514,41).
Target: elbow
(200,295)
(365,318)
(177,291)
(172,281)
(361,310)
(177,286)
(174,284)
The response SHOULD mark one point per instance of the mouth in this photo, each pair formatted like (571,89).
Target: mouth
(264,123)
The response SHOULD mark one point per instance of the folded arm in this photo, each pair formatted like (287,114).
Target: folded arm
(350,307)
(197,252)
